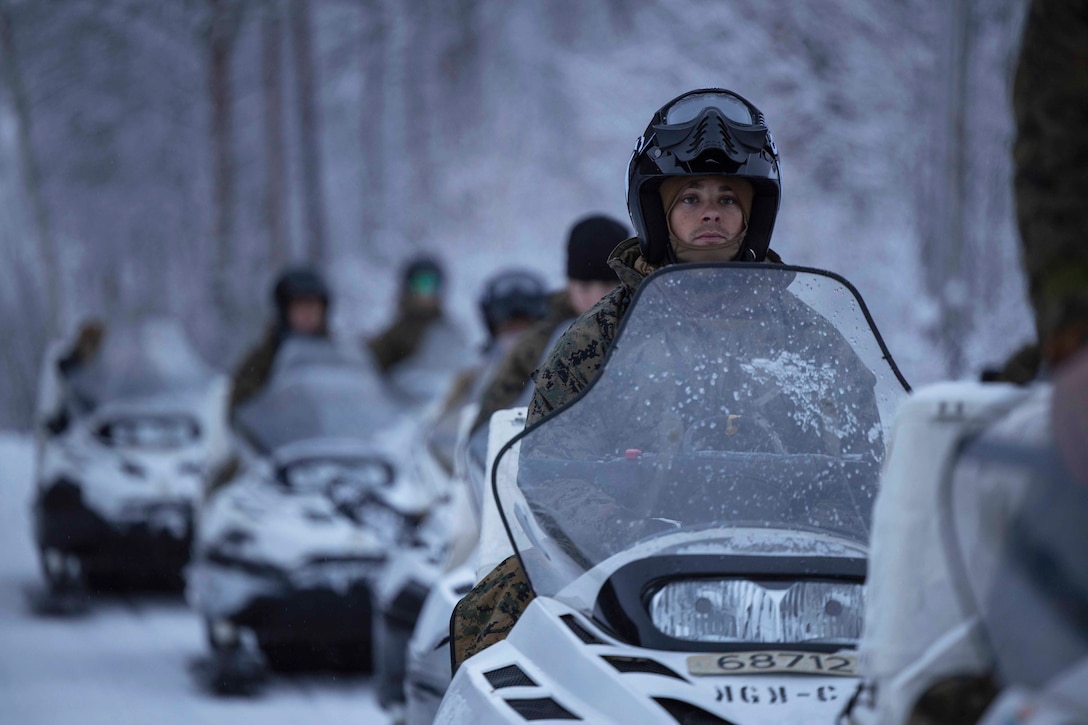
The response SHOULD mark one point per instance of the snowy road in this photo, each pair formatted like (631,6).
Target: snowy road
(127,660)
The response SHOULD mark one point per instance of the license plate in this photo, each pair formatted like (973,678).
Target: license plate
(774,661)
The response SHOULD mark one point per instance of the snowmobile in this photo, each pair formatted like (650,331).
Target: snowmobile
(288,553)
(433,577)
(913,640)
(125,443)
(695,524)
(974,474)
(428,671)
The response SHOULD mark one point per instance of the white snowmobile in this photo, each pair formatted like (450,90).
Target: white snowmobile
(428,671)
(125,443)
(695,525)
(972,593)
(288,553)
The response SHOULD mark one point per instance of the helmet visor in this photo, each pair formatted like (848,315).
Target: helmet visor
(425,284)
(688,108)
(514,297)
(515,285)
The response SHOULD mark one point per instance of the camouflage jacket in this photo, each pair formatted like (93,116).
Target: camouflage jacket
(255,369)
(577,356)
(253,372)
(402,338)
(489,611)
(516,368)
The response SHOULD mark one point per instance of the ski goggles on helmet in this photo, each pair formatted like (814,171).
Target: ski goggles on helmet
(689,108)
(425,284)
(714,120)
(516,296)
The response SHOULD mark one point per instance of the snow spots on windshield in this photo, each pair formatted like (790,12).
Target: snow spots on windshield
(813,387)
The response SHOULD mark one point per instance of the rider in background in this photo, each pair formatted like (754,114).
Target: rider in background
(513,301)
(419,307)
(589,278)
(301,300)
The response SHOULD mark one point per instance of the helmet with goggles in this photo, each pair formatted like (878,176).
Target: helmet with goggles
(423,278)
(511,295)
(706,132)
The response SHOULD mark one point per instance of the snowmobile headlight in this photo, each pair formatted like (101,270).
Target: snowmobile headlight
(768,611)
(318,475)
(149,431)
(168,517)
(337,573)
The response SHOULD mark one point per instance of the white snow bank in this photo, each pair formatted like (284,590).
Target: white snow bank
(127,661)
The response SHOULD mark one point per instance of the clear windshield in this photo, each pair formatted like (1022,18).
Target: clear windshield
(143,359)
(735,397)
(316,391)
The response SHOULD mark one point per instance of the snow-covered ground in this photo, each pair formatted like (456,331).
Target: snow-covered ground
(127,660)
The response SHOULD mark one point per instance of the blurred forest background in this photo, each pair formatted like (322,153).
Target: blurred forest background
(168,156)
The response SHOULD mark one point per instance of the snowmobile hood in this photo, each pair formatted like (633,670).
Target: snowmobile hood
(335,448)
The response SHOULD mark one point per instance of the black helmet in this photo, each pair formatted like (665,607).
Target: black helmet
(422,277)
(709,131)
(296,283)
(511,295)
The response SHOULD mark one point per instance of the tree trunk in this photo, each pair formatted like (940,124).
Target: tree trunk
(220,50)
(272,86)
(370,119)
(943,194)
(32,176)
(309,139)
(417,51)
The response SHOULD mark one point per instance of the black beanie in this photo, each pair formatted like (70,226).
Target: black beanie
(591,241)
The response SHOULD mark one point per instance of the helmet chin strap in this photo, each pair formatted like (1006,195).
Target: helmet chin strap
(708,253)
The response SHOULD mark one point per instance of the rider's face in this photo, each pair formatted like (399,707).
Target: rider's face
(584,294)
(708,211)
(306,316)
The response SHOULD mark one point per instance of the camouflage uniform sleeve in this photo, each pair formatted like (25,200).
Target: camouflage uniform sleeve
(400,340)
(514,372)
(489,611)
(253,373)
(577,356)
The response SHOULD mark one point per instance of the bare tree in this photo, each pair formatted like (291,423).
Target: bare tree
(275,180)
(418,104)
(943,191)
(32,174)
(222,31)
(309,130)
(370,118)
